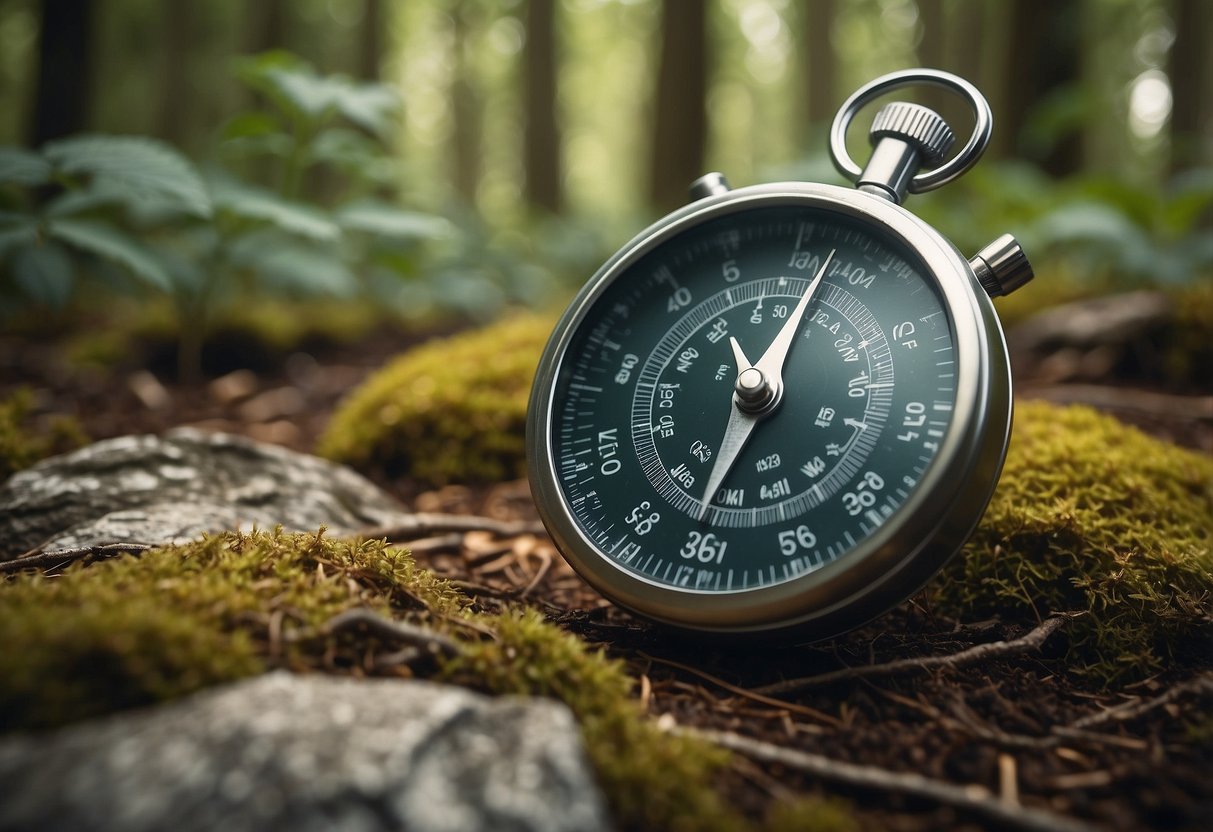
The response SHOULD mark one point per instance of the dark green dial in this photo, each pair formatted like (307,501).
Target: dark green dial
(782,408)
(857,399)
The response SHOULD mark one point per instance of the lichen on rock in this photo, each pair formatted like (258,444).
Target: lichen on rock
(1093,516)
(453,410)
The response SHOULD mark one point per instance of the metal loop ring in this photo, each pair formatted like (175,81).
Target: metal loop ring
(927,180)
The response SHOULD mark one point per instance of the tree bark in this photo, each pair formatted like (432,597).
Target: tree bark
(1191,85)
(542,143)
(680,119)
(467,121)
(817,65)
(61,94)
(1044,61)
(176,102)
(267,26)
(370,40)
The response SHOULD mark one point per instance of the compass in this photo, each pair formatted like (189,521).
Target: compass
(782,407)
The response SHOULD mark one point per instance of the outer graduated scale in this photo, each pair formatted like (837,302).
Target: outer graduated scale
(782,407)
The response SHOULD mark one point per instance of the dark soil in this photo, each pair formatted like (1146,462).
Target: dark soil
(991,725)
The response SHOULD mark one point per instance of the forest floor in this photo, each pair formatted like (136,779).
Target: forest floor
(1001,725)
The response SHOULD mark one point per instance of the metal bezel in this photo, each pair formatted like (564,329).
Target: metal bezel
(912,545)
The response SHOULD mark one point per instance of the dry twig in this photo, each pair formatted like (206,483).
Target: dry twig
(746,693)
(1027,643)
(424,523)
(1132,710)
(974,799)
(401,631)
(38,559)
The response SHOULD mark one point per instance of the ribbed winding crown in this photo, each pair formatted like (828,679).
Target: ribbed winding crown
(917,125)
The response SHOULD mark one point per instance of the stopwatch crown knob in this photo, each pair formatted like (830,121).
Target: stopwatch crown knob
(916,125)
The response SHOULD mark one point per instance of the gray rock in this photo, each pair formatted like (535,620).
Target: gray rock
(171,488)
(308,753)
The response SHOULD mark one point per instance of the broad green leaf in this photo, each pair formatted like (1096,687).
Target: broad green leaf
(386,220)
(295,87)
(250,203)
(372,106)
(307,270)
(24,233)
(107,242)
(23,167)
(248,125)
(1191,196)
(78,201)
(44,273)
(134,167)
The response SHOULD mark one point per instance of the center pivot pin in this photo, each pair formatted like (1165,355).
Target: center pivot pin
(755,393)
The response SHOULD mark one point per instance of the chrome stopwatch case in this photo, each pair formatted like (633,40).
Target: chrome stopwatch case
(782,407)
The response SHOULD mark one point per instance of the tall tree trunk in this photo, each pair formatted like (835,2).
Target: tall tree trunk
(933,53)
(467,121)
(817,62)
(176,102)
(61,96)
(370,40)
(1045,48)
(1191,72)
(542,142)
(267,26)
(681,123)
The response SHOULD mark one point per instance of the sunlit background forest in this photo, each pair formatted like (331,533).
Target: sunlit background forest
(448,157)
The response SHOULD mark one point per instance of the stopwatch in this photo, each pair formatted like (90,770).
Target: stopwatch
(782,407)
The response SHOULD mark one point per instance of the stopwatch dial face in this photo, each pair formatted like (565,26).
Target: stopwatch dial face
(645,394)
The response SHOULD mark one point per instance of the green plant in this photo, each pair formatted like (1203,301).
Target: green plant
(1098,226)
(205,238)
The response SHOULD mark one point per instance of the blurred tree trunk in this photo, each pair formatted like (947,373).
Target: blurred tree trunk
(966,37)
(1044,57)
(176,103)
(267,26)
(370,41)
(1191,85)
(61,93)
(817,66)
(680,130)
(933,53)
(467,122)
(542,142)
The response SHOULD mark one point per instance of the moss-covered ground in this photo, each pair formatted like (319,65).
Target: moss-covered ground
(1090,517)
(23,441)
(134,631)
(1094,516)
(453,410)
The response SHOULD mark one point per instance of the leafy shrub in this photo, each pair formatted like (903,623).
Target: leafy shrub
(135,207)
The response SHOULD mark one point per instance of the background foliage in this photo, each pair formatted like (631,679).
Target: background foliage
(458,156)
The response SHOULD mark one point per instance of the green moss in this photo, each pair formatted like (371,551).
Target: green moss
(22,444)
(131,631)
(1188,342)
(1095,516)
(811,814)
(134,631)
(451,410)
(653,780)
